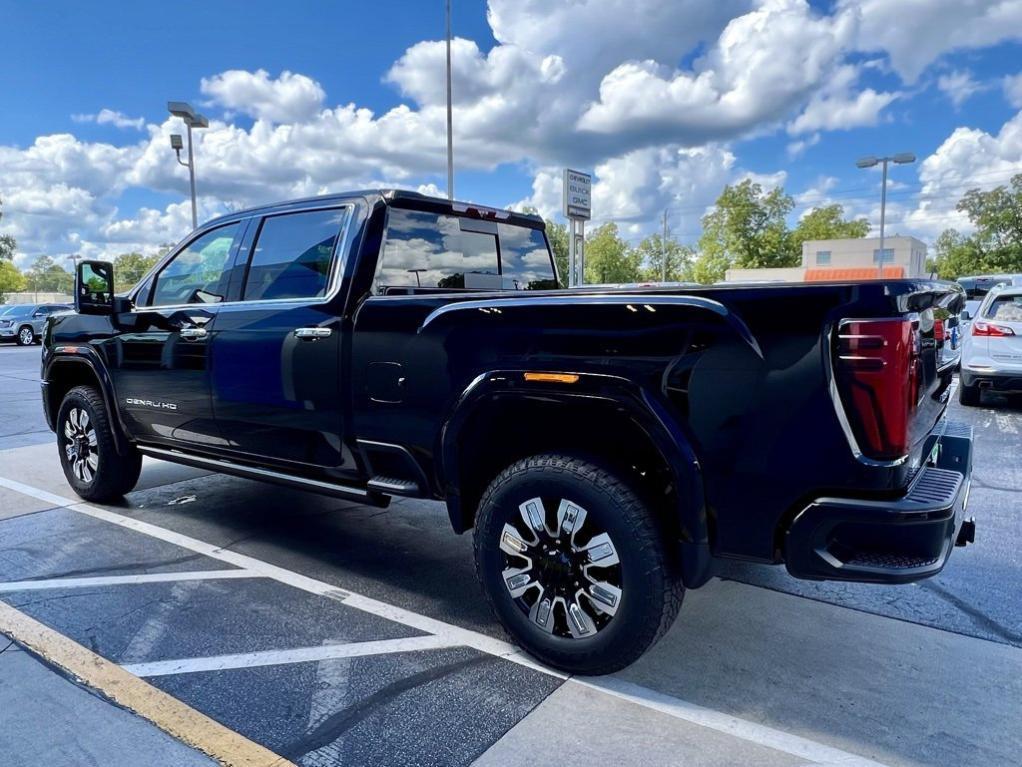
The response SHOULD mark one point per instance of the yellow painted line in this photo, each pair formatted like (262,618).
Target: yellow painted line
(166,712)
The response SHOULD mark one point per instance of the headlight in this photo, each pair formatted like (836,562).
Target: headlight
(5,323)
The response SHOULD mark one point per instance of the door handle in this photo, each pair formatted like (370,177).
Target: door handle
(193,334)
(313,333)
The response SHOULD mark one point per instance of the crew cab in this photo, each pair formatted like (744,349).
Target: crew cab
(607,446)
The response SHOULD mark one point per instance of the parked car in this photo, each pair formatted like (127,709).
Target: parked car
(23,323)
(977,287)
(992,351)
(607,445)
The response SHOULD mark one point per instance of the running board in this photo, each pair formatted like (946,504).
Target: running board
(347,492)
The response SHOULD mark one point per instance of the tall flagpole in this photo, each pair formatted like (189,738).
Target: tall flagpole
(450,119)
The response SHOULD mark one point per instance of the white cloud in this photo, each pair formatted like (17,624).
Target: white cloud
(763,65)
(288,98)
(796,149)
(1012,85)
(111,117)
(959,86)
(915,33)
(968,159)
(835,107)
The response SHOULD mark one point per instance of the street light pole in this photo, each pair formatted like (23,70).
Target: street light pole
(870,161)
(663,247)
(192,120)
(450,116)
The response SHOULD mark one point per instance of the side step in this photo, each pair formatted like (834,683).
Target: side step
(394,486)
(363,495)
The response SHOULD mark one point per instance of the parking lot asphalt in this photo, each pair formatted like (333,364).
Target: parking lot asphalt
(330,633)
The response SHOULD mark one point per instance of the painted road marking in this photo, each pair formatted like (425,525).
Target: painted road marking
(124,580)
(752,732)
(285,657)
(165,711)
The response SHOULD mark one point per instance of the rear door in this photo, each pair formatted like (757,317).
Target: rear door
(160,362)
(277,353)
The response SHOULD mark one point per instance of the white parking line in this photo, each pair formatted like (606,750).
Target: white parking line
(285,657)
(752,732)
(124,580)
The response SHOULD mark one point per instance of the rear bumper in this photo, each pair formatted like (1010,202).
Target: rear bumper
(892,541)
(994,381)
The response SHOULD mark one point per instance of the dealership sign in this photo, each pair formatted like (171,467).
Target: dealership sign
(578,193)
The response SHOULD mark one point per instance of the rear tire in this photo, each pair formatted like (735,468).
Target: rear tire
(26,336)
(574,613)
(968,395)
(88,453)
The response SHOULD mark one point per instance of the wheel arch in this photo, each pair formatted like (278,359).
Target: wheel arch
(605,418)
(63,372)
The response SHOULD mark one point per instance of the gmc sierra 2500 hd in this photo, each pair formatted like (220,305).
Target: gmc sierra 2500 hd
(606,445)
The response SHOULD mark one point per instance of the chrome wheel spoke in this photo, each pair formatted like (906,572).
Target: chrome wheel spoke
(601,551)
(69,451)
(534,516)
(92,439)
(73,418)
(570,518)
(579,623)
(518,581)
(542,614)
(87,473)
(92,461)
(605,597)
(83,421)
(511,542)
(68,431)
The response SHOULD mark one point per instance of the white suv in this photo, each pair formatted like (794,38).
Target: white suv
(992,350)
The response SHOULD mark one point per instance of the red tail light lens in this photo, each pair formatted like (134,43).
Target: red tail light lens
(878,372)
(980,328)
(938,330)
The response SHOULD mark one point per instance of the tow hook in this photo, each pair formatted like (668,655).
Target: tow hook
(967,532)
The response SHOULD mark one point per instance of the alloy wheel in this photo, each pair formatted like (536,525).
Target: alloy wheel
(565,576)
(80,444)
(26,336)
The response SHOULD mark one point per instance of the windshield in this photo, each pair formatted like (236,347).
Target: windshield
(18,311)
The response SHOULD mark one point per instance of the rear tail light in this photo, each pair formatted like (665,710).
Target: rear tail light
(938,331)
(990,329)
(878,372)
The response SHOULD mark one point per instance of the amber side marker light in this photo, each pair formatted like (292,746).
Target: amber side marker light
(567,378)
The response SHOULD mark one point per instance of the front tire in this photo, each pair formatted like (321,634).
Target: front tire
(26,336)
(88,454)
(574,564)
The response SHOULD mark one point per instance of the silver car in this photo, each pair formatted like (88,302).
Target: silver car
(24,323)
(992,348)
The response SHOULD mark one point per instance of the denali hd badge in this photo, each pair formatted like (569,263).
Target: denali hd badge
(150,403)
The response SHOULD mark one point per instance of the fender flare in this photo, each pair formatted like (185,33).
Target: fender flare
(645,409)
(82,355)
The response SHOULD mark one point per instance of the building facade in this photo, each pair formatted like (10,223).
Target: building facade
(846,259)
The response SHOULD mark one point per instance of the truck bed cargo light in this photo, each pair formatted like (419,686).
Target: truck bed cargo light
(567,378)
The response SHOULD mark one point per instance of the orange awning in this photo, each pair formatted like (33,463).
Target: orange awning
(853,273)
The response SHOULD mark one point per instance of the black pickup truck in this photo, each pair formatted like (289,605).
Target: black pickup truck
(606,445)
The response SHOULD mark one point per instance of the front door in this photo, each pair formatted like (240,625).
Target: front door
(276,356)
(160,361)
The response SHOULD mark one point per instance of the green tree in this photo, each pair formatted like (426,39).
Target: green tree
(7,242)
(129,268)
(827,223)
(609,259)
(996,244)
(46,276)
(11,280)
(557,234)
(748,229)
(652,251)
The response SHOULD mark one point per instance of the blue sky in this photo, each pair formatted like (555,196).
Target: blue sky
(666,100)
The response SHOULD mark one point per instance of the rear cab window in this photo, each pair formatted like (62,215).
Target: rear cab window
(432,252)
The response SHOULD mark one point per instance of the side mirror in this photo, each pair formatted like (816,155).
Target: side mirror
(94,287)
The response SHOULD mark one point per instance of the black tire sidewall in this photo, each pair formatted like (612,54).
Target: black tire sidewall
(115,474)
(615,510)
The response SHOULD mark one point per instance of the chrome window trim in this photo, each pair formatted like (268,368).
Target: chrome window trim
(342,246)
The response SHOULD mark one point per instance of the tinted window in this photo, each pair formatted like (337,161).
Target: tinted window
(525,259)
(430,250)
(1006,308)
(197,275)
(293,255)
(823,257)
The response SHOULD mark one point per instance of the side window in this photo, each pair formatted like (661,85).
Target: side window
(525,262)
(197,274)
(430,250)
(293,255)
